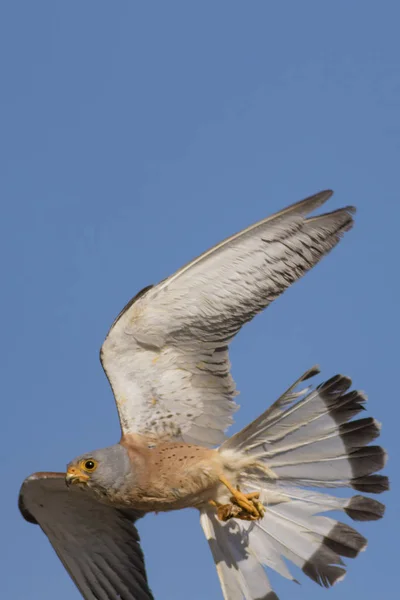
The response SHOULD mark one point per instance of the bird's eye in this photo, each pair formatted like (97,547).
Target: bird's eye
(89,465)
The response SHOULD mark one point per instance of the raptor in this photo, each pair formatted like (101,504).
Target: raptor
(258,492)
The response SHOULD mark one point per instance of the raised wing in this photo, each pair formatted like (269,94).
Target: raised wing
(166,355)
(97,544)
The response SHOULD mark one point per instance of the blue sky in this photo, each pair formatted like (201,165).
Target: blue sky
(134,136)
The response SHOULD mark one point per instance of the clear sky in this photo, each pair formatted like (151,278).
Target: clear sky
(133,136)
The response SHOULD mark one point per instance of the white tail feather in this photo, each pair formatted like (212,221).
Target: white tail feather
(240,571)
(304,439)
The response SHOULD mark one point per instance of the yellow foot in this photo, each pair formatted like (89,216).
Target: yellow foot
(243,506)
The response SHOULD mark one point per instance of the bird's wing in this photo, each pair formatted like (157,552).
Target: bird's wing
(166,355)
(97,544)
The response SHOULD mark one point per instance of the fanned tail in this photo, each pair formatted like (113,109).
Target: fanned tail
(305,439)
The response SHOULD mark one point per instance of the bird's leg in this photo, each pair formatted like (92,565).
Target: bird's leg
(244,506)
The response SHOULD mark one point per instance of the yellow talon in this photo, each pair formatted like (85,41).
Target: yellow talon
(244,506)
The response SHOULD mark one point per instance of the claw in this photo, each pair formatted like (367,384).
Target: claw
(228,511)
(245,501)
(243,506)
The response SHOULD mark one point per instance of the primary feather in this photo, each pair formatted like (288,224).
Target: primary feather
(98,544)
(166,356)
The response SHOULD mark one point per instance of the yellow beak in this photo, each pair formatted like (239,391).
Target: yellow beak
(75,475)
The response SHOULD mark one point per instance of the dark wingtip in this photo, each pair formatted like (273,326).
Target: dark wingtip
(315,370)
(350,209)
(23,510)
(41,475)
(309,204)
(323,195)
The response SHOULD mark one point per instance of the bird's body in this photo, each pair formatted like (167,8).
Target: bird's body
(166,357)
(167,475)
(163,486)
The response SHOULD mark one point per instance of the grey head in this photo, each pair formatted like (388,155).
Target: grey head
(106,473)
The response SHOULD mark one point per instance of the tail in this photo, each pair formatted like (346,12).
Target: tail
(305,439)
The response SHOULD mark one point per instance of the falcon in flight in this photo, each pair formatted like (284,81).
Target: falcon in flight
(166,358)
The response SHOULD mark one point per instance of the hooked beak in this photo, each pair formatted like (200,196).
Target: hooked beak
(75,475)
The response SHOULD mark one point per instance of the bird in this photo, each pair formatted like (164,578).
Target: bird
(260,493)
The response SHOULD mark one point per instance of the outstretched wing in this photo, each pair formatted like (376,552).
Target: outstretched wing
(97,544)
(166,355)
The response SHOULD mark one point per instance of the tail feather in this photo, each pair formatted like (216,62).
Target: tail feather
(339,537)
(358,508)
(312,442)
(240,572)
(332,471)
(298,544)
(348,436)
(321,410)
(304,439)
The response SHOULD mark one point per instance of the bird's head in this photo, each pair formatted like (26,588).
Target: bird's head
(106,472)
